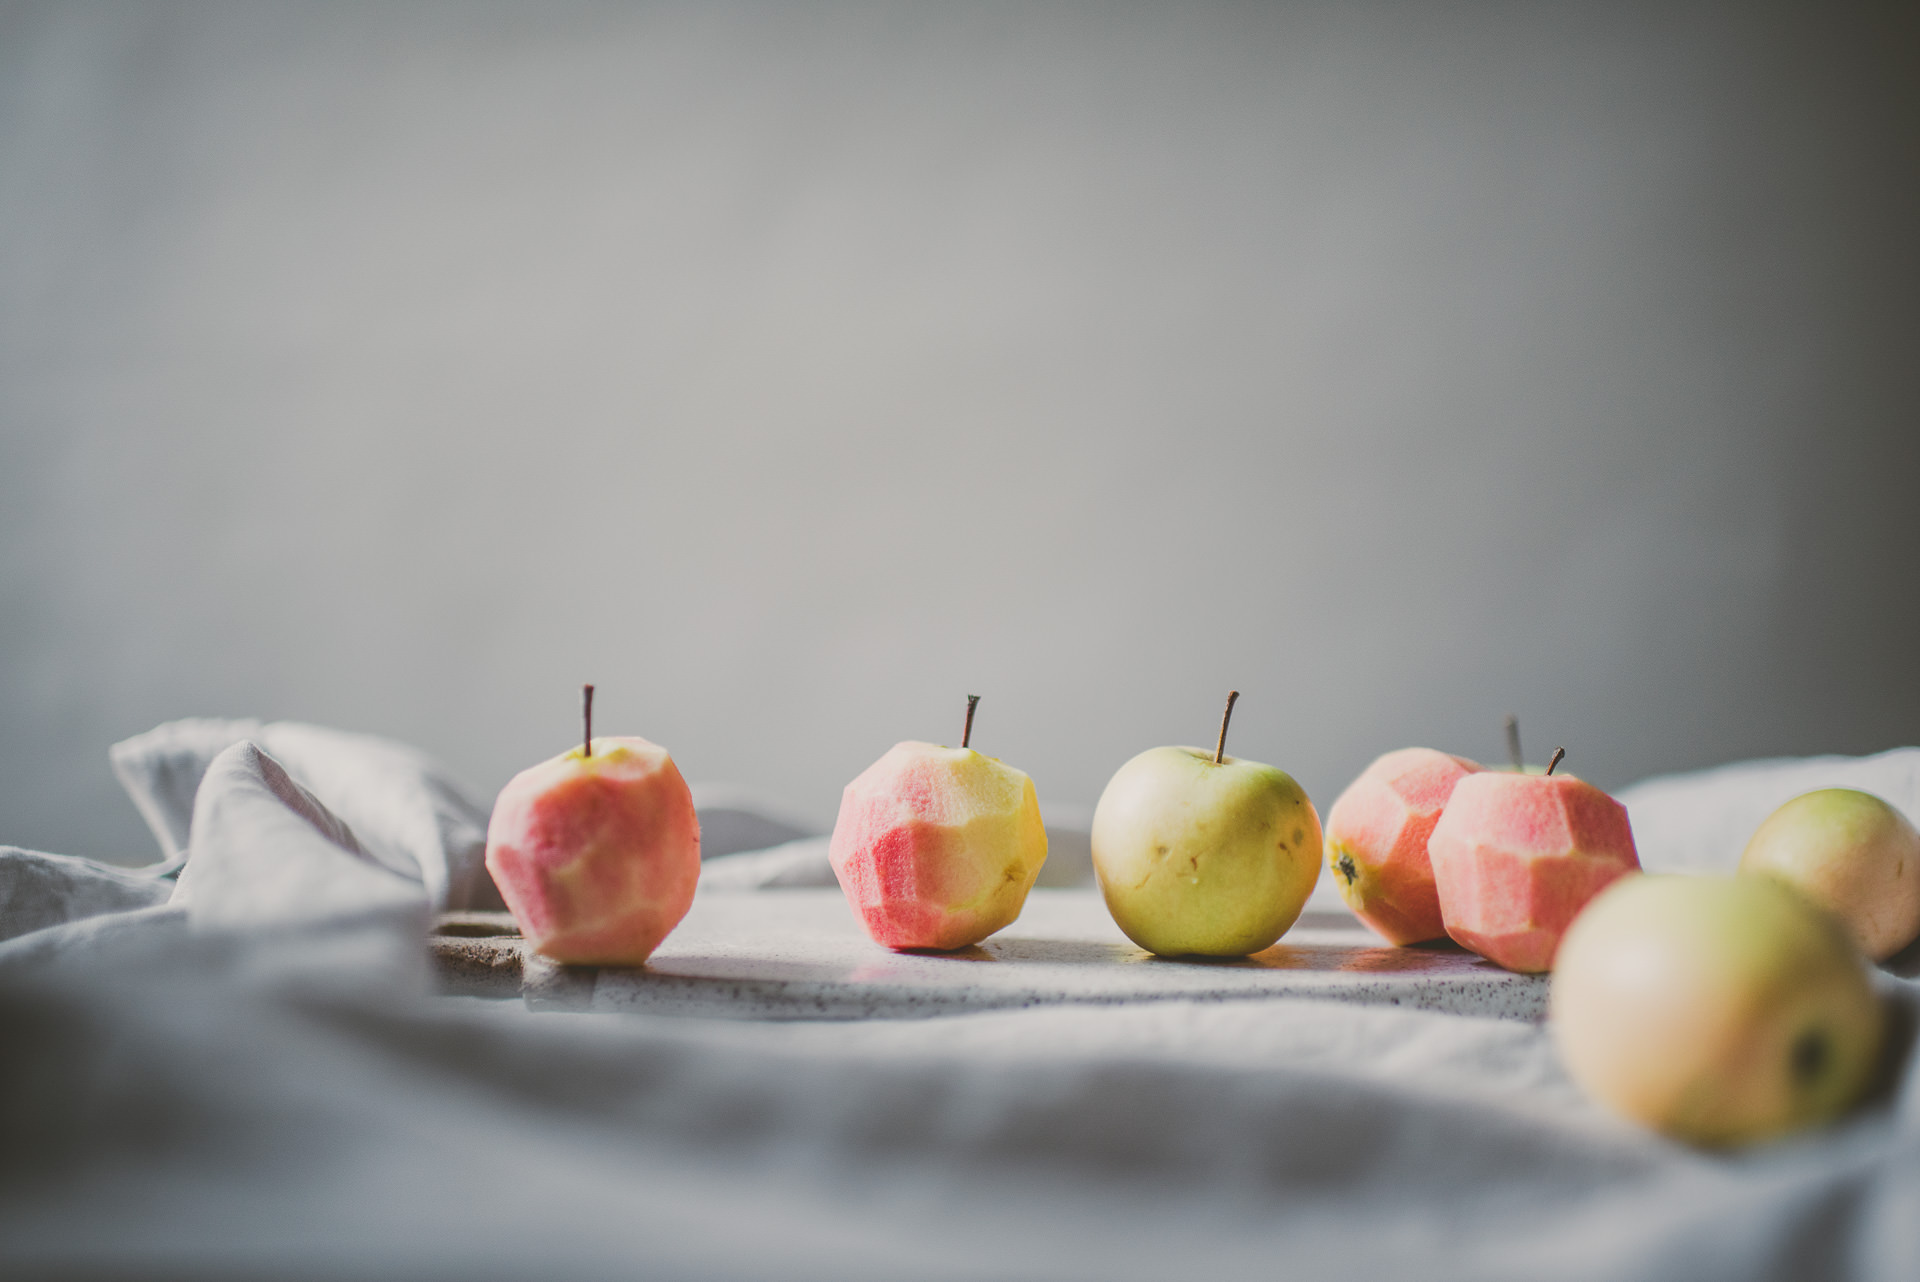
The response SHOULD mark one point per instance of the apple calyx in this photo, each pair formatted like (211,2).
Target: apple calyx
(1809,1056)
(1558,753)
(586,721)
(1220,748)
(966,733)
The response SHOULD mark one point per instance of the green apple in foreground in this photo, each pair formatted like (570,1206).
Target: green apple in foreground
(1851,853)
(1718,1010)
(1201,853)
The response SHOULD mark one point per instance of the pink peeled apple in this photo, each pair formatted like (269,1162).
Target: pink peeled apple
(1517,856)
(937,847)
(1376,841)
(597,850)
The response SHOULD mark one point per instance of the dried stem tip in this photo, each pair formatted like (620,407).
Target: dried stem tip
(966,735)
(1513,742)
(1557,754)
(1220,748)
(586,720)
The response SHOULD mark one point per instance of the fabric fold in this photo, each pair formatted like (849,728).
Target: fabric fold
(270,864)
(40,890)
(411,815)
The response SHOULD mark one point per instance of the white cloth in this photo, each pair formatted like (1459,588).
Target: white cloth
(250,1078)
(1700,822)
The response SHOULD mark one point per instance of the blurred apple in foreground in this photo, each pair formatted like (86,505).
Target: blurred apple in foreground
(1516,856)
(1718,1010)
(596,851)
(1377,837)
(1201,853)
(1851,853)
(937,847)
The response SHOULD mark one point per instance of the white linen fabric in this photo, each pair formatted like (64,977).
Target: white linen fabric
(419,823)
(1700,822)
(249,1077)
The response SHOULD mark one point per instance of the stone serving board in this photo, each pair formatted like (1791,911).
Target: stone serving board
(800,954)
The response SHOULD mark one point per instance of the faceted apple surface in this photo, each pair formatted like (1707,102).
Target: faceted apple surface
(1516,857)
(1377,836)
(937,847)
(597,856)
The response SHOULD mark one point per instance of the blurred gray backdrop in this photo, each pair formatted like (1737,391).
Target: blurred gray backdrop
(792,371)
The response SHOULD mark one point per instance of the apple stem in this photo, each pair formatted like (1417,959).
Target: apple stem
(1220,748)
(586,719)
(1557,754)
(1513,742)
(966,735)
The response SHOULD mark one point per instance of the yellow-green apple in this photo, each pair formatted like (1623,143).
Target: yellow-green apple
(1853,854)
(1718,1010)
(597,850)
(1201,853)
(937,847)
(1516,856)
(1376,842)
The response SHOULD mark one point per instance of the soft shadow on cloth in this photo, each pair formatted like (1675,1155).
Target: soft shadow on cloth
(246,1073)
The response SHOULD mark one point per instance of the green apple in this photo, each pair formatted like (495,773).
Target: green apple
(1201,853)
(1851,853)
(1718,1010)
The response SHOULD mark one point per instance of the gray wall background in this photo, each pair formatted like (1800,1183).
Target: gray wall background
(792,371)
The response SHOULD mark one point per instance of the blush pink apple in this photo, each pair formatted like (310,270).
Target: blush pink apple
(1377,836)
(937,847)
(597,853)
(1517,856)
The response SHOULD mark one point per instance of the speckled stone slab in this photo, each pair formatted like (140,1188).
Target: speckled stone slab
(800,954)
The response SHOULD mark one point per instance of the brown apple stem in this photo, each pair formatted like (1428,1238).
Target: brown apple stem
(586,718)
(966,735)
(1557,754)
(1513,742)
(1220,748)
